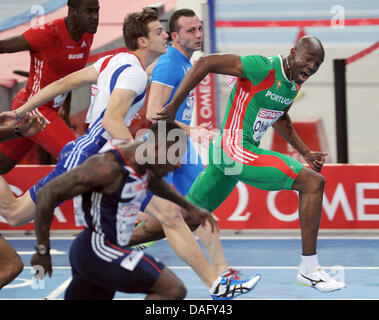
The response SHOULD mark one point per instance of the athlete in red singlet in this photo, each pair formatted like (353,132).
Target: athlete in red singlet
(56,49)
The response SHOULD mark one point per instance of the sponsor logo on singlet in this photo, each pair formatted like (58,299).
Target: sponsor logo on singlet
(75,56)
(277,98)
(265,119)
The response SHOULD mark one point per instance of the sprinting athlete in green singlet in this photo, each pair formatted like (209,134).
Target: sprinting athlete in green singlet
(256,102)
(261,97)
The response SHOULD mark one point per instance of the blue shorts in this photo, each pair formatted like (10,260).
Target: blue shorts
(101,268)
(67,160)
(182,178)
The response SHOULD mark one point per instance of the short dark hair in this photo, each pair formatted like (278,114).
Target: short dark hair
(75,4)
(173,23)
(135,26)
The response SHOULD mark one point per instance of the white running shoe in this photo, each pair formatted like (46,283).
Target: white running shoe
(319,280)
(228,288)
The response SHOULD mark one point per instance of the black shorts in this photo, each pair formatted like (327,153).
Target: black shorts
(105,265)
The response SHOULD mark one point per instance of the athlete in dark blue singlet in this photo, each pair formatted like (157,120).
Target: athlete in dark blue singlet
(113,184)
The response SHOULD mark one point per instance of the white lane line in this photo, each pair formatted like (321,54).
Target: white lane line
(252,267)
(55,293)
(52,252)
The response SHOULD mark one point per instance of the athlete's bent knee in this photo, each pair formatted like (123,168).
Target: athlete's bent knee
(177,292)
(16,220)
(174,220)
(192,223)
(15,267)
(309,181)
(168,286)
(11,269)
(317,182)
(10,215)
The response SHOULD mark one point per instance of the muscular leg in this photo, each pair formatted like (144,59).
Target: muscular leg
(212,243)
(10,263)
(310,186)
(179,236)
(151,230)
(81,289)
(16,211)
(167,287)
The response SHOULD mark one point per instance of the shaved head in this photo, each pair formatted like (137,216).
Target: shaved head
(305,58)
(310,44)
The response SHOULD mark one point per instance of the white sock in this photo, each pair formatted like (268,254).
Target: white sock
(309,264)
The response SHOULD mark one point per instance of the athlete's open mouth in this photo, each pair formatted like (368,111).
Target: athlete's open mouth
(304,76)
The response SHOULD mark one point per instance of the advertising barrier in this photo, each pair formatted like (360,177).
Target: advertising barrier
(206,101)
(351,201)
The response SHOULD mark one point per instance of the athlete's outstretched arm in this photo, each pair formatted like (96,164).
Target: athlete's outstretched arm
(216,63)
(117,108)
(95,172)
(14,44)
(161,188)
(65,109)
(285,128)
(75,80)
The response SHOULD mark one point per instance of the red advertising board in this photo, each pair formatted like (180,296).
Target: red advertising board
(21,178)
(351,201)
(206,101)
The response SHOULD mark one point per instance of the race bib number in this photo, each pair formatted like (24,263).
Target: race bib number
(125,221)
(78,211)
(265,119)
(187,113)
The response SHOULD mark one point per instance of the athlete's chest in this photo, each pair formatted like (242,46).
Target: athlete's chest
(280,95)
(66,56)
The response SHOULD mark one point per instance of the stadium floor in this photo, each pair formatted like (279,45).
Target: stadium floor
(350,256)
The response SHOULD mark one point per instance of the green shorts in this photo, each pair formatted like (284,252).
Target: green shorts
(265,169)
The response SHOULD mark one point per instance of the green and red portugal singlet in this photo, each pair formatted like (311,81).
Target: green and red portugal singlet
(255,103)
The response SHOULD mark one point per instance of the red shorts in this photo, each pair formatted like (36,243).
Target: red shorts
(52,139)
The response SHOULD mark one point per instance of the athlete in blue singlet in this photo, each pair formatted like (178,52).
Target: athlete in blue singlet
(169,71)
